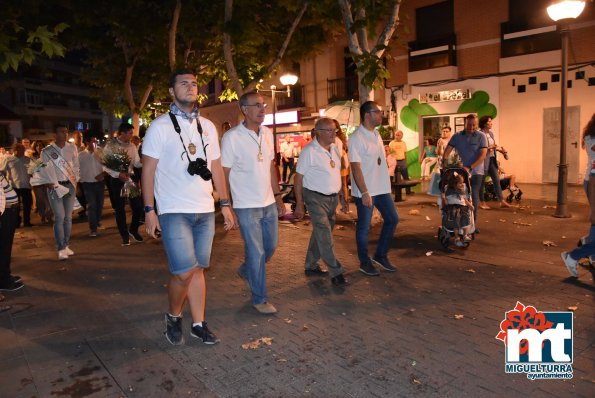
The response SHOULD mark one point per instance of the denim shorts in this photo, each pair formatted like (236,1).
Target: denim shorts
(187,238)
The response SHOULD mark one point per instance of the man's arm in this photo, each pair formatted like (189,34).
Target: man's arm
(148,184)
(276,192)
(447,152)
(358,177)
(221,188)
(298,190)
(482,154)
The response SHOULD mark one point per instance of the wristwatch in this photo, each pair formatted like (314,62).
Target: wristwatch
(148,209)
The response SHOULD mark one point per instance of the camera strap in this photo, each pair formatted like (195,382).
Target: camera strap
(179,131)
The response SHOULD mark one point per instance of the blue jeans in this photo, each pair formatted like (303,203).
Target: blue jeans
(492,171)
(476,185)
(385,205)
(260,232)
(187,239)
(62,208)
(94,196)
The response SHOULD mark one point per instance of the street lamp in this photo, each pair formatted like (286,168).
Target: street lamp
(563,12)
(287,80)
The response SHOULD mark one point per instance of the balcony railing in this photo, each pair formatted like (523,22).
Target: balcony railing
(342,89)
(520,40)
(432,54)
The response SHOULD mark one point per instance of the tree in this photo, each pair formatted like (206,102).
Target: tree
(361,18)
(25,35)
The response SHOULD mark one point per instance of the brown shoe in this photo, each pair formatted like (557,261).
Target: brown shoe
(265,308)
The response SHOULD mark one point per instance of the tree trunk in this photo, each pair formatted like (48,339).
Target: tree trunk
(136,122)
(365,93)
(172,35)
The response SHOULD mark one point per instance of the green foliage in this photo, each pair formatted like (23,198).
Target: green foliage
(411,113)
(386,132)
(479,103)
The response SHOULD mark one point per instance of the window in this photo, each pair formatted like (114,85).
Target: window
(434,22)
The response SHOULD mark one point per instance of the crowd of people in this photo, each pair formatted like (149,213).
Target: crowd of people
(170,182)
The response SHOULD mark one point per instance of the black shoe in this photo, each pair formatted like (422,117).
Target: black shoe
(384,263)
(15,278)
(203,332)
(368,269)
(12,286)
(173,329)
(315,272)
(125,242)
(339,280)
(28,224)
(476,230)
(135,236)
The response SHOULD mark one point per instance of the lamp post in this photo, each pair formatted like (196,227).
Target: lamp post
(563,12)
(287,80)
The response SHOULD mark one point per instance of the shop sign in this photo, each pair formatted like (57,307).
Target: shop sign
(444,96)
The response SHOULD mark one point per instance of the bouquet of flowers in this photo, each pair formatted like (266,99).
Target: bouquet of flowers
(120,161)
(35,166)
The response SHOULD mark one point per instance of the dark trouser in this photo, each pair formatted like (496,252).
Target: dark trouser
(42,203)
(80,196)
(492,171)
(26,202)
(287,165)
(402,165)
(118,203)
(8,224)
(385,205)
(94,194)
(476,183)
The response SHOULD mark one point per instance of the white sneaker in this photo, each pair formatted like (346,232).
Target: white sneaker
(570,263)
(68,251)
(62,255)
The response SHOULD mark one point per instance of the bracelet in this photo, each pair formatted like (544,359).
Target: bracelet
(365,193)
(224,203)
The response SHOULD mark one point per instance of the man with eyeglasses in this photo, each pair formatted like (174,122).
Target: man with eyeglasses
(318,185)
(248,159)
(370,187)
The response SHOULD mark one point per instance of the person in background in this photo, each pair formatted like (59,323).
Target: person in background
(587,249)
(9,213)
(40,192)
(287,151)
(443,142)
(342,139)
(92,183)
(399,150)
(15,168)
(428,158)
(391,162)
(491,163)
(61,174)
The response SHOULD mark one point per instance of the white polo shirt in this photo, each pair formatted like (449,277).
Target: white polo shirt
(249,178)
(176,191)
(314,165)
(366,147)
(90,166)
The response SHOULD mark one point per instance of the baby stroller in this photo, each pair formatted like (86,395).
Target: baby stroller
(514,193)
(451,213)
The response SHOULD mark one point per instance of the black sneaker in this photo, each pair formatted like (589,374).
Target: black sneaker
(12,286)
(16,278)
(384,263)
(173,329)
(203,332)
(135,236)
(368,269)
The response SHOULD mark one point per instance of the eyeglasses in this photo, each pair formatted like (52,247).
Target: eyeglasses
(259,105)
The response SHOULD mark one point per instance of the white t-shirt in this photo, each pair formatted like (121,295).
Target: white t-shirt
(589,142)
(90,166)
(51,174)
(176,191)
(314,165)
(366,147)
(249,178)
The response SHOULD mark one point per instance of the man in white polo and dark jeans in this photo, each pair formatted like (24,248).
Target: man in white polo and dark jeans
(318,185)
(176,176)
(248,159)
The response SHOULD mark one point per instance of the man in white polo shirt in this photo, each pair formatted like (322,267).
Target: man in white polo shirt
(370,187)
(318,185)
(180,157)
(248,159)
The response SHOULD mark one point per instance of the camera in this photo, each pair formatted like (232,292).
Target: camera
(199,167)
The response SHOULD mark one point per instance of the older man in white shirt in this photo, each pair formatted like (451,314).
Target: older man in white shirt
(318,186)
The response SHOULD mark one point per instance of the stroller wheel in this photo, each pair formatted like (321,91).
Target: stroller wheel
(518,196)
(509,198)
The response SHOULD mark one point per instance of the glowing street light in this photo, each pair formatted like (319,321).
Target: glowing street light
(563,12)
(287,80)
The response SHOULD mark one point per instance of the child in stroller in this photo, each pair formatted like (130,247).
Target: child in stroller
(457,208)
(507,181)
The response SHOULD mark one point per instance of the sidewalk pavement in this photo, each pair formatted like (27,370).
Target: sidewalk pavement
(92,326)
